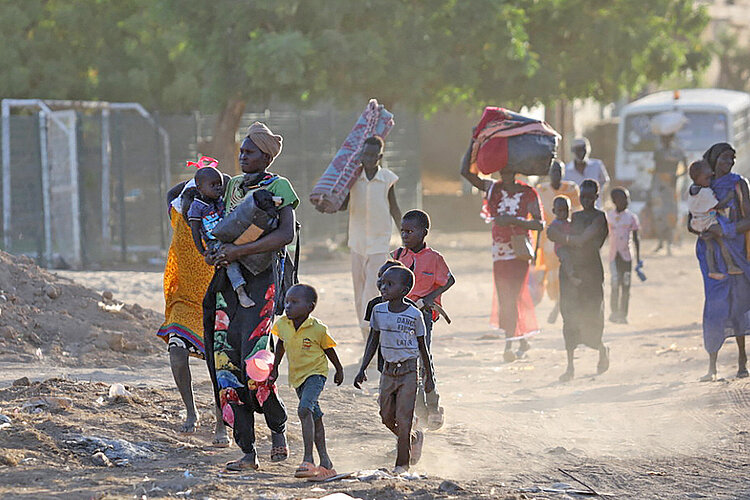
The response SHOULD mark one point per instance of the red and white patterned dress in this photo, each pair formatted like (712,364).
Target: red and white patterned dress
(511,275)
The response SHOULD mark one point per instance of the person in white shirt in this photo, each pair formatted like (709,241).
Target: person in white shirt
(583,167)
(372,205)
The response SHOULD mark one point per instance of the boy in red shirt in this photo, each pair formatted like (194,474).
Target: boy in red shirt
(432,277)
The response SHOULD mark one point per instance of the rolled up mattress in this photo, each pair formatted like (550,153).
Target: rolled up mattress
(333,186)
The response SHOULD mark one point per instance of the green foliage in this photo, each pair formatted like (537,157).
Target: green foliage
(424,54)
(734,62)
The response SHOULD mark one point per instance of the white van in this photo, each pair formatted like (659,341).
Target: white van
(713,115)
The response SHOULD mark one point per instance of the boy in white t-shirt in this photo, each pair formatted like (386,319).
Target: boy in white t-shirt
(704,211)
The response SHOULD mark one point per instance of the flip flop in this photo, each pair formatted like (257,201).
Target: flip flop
(323,475)
(279,453)
(306,470)
(242,465)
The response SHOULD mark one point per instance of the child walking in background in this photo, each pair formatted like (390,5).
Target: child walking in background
(398,330)
(432,278)
(308,346)
(622,224)
(561,226)
(704,207)
(204,214)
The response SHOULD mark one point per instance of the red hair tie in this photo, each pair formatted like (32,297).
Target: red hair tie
(205,161)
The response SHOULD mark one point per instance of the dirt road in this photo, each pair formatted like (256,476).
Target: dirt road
(645,429)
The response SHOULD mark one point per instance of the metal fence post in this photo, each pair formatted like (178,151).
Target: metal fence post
(47,215)
(6,176)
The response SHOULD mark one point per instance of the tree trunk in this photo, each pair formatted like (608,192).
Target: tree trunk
(223,144)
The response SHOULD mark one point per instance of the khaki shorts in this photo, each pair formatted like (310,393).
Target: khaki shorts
(398,393)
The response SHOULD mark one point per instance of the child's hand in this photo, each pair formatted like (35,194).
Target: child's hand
(429,385)
(361,377)
(339,377)
(273,376)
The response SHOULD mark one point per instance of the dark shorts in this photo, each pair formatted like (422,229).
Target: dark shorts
(309,392)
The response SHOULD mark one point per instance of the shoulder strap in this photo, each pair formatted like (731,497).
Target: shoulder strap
(398,252)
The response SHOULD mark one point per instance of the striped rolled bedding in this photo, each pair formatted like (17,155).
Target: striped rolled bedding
(333,186)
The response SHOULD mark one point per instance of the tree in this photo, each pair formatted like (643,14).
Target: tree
(424,54)
(734,61)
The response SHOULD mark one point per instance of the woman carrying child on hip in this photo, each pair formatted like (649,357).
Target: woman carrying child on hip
(726,311)
(234,333)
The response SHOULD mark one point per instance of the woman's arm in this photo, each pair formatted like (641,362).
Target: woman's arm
(592,231)
(743,225)
(275,240)
(474,179)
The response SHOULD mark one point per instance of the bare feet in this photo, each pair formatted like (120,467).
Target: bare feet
(708,377)
(221,439)
(567,376)
(190,424)
(245,300)
(509,356)
(742,372)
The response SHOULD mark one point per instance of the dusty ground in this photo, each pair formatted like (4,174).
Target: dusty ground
(645,429)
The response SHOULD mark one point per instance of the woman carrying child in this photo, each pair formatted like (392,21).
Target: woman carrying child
(582,295)
(727,304)
(234,333)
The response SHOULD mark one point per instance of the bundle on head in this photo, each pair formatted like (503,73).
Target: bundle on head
(504,139)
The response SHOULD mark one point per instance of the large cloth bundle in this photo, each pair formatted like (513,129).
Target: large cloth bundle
(668,122)
(252,218)
(504,138)
(333,186)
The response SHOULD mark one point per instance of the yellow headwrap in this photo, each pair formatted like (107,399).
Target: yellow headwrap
(267,141)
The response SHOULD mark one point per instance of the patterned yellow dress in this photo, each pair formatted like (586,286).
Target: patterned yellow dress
(186,279)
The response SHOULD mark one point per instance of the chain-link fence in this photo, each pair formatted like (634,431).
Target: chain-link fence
(123,162)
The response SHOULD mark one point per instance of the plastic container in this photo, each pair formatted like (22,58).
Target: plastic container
(259,366)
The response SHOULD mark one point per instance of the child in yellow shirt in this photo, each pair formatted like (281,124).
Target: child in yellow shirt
(308,347)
